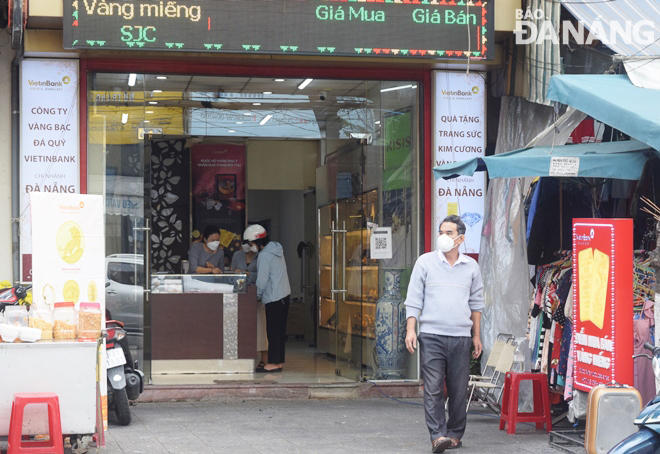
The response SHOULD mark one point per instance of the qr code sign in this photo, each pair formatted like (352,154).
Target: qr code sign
(381,243)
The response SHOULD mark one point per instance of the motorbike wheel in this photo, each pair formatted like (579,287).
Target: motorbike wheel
(122,410)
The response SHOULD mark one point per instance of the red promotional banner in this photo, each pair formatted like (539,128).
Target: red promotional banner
(602,302)
(218,182)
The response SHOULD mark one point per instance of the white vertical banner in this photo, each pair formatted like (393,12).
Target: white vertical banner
(460,133)
(68,255)
(50,143)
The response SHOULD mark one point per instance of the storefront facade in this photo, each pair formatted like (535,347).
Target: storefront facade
(324,150)
(312,167)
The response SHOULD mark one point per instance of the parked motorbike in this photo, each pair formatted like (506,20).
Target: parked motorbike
(13,295)
(647,438)
(125,380)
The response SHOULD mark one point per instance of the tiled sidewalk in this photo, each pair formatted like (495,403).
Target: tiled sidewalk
(304,426)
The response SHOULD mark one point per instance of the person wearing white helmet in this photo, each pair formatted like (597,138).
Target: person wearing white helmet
(273,289)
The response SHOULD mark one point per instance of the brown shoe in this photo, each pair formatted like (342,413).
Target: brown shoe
(455,443)
(440,444)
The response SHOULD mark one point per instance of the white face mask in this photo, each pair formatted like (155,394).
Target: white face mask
(254,248)
(246,247)
(213,245)
(445,243)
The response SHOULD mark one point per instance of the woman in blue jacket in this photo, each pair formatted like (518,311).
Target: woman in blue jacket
(273,289)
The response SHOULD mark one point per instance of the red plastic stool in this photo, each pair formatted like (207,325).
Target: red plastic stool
(510,414)
(52,446)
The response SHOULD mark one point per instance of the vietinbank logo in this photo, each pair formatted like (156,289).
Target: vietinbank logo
(532,27)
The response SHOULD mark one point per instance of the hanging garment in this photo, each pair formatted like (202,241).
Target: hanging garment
(644,377)
(568,388)
(565,282)
(568,310)
(566,341)
(557,346)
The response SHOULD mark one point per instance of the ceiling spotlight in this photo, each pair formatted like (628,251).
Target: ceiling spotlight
(305,83)
(131,79)
(157,91)
(161,77)
(256,103)
(124,118)
(239,122)
(148,111)
(278,80)
(153,102)
(268,93)
(231,130)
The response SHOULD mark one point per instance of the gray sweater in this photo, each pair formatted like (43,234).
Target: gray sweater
(197,256)
(239,262)
(442,297)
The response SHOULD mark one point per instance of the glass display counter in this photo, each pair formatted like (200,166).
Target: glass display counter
(198,283)
(202,323)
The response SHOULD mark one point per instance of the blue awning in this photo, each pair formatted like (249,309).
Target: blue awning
(622,160)
(613,100)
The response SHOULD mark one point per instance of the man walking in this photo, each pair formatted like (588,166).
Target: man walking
(445,296)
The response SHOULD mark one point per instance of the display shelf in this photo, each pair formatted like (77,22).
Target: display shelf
(351,302)
(354,267)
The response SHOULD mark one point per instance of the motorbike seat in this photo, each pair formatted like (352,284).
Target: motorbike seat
(109,323)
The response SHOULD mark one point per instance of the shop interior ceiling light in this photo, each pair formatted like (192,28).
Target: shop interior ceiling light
(400,87)
(256,103)
(305,83)
(157,91)
(124,118)
(268,93)
(161,77)
(153,102)
(131,79)
(266,119)
(278,80)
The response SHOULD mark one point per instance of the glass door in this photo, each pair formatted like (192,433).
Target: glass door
(348,288)
(119,168)
(349,256)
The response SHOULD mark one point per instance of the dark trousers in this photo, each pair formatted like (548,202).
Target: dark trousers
(445,359)
(276,316)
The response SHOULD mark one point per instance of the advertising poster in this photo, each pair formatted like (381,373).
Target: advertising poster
(397,170)
(218,182)
(68,258)
(460,133)
(602,302)
(49,138)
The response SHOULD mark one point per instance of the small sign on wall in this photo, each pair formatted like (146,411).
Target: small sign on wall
(564,167)
(381,243)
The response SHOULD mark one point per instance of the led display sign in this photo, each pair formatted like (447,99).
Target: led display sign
(453,29)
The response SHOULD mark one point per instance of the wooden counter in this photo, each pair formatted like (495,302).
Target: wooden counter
(193,327)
